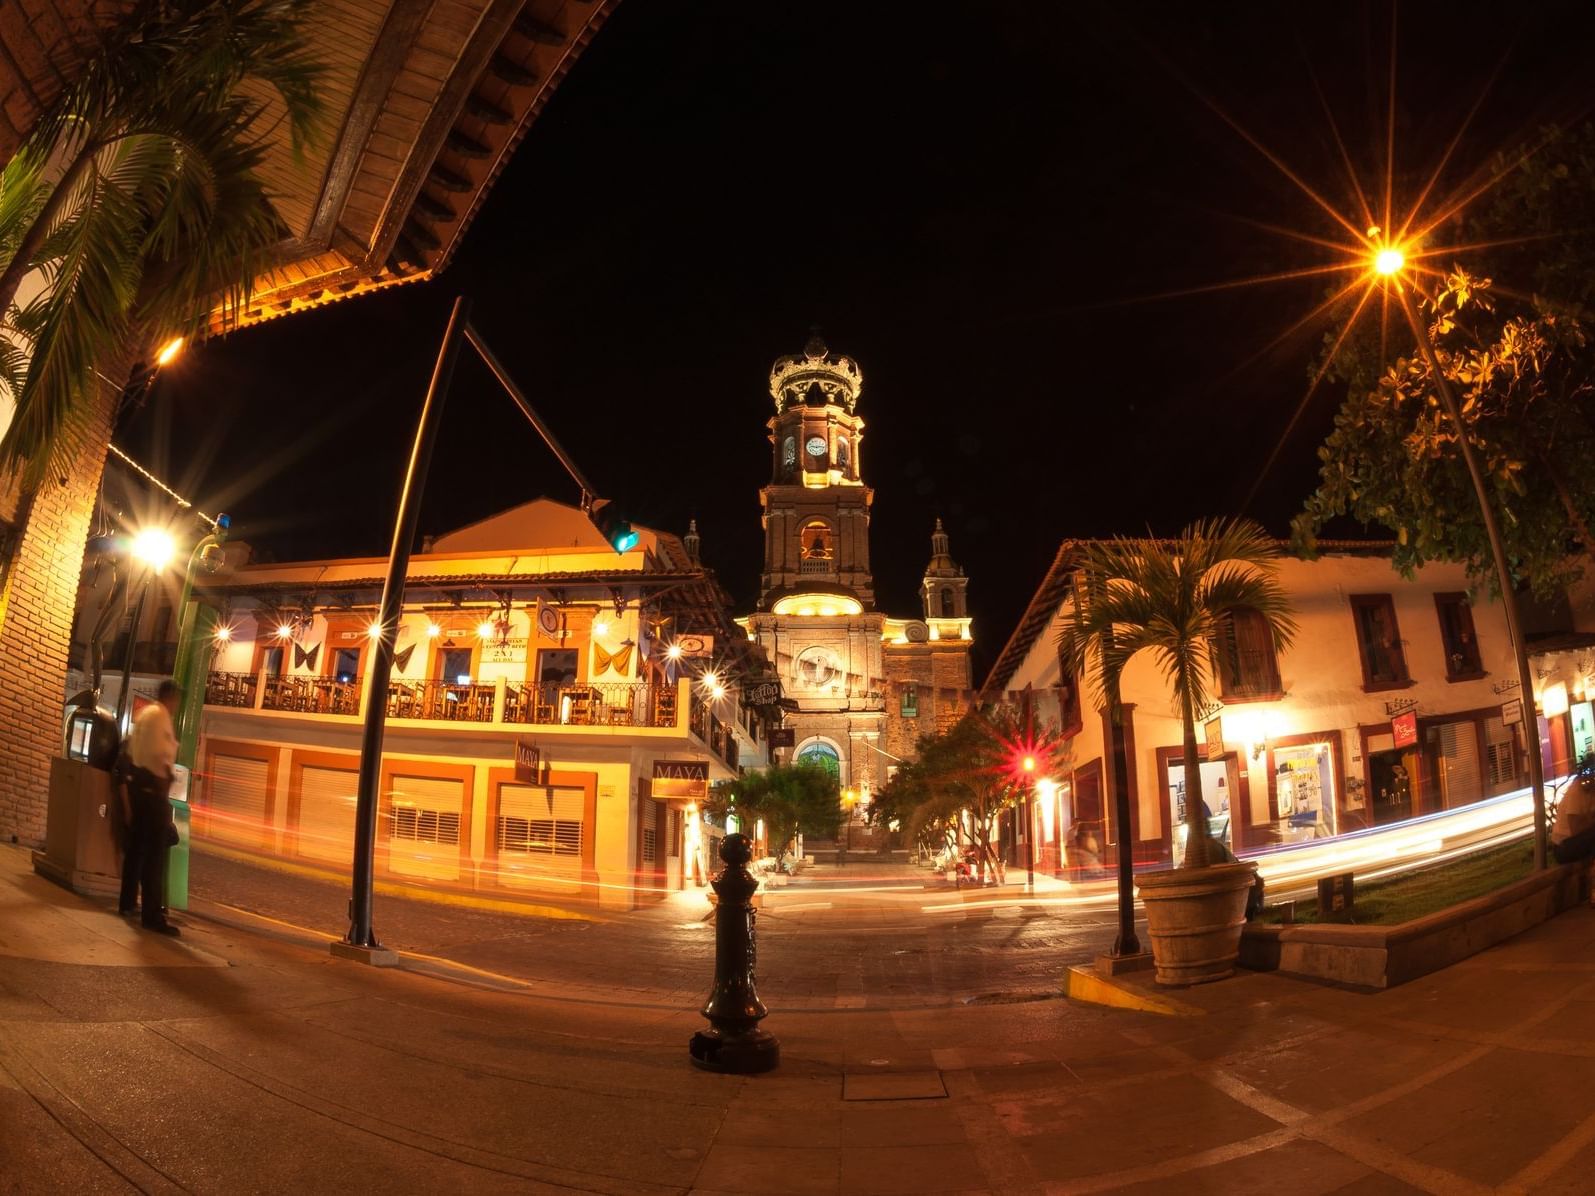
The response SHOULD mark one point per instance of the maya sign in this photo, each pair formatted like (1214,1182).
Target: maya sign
(1404,727)
(528,761)
(681,778)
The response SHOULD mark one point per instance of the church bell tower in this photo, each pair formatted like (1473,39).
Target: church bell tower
(816,507)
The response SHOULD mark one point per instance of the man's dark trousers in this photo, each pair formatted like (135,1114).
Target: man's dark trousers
(144,865)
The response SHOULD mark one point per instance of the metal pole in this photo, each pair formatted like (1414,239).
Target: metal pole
(124,698)
(405,521)
(525,405)
(1030,837)
(193,657)
(1503,573)
(1126,943)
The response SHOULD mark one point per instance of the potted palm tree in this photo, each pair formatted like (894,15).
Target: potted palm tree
(1172,598)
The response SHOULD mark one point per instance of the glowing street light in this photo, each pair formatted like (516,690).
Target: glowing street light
(284,632)
(170,350)
(155,547)
(673,652)
(1388,261)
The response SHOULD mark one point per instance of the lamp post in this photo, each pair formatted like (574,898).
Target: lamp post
(1029,766)
(153,548)
(1388,262)
(361,940)
(194,640)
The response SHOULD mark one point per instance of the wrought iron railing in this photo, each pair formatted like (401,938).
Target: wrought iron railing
(592,704)
(819,565)
(231,689)
(444,701)
(312,695)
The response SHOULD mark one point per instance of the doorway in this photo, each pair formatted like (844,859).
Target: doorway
(1390,784)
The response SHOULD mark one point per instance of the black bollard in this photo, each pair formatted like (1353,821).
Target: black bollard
(734,1043)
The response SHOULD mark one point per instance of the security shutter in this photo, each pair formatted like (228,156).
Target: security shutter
(540,831)
(326,813)
(236,798)
(424,830)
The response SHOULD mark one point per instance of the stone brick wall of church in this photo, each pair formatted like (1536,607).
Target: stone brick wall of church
(39,44)
(942,682)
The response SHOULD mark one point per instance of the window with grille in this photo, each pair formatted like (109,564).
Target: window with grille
(540,836)
(910,701)
(538,820)
(426,826)
(650,845)
(1384,664)
(1457,638)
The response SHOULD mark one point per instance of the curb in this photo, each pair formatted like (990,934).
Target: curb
(1083,983)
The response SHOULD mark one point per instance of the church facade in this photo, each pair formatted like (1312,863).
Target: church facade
(867,685)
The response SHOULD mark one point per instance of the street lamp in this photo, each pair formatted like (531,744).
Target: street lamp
(153,547)
(1388,261)
(361,941)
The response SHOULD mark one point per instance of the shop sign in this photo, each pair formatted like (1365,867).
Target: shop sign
(1213,730)
(1404,728)
(1512,712)
(528,762)
(783,737)
(694,646)
(763,693)
(681,778)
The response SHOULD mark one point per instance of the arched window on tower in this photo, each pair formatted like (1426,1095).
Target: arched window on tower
(788,456)
(844,455)
(818,544)
(949,604)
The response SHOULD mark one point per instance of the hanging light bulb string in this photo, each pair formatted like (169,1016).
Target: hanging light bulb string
(156,482)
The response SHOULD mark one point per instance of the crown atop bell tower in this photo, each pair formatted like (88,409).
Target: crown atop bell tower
(815,377)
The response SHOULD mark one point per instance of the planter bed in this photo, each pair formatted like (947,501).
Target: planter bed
(1376,957)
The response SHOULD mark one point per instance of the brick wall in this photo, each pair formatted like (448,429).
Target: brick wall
(39,42)
(941,678)
(36,608)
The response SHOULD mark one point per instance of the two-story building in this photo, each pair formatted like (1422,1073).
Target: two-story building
(623,672)
(1396,700)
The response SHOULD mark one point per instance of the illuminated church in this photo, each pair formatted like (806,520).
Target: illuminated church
(867,684)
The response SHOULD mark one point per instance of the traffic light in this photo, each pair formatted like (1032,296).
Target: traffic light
(621,535)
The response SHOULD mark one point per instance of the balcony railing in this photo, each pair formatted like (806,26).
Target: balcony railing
(231,689)
(817,565)
(608,704)
(618,704)
(312,695)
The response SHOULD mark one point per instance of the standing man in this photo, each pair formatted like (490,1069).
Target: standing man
(151,756)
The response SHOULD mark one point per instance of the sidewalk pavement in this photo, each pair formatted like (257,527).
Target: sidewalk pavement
(231,1062)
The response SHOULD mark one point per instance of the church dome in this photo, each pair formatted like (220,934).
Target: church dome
(815,376)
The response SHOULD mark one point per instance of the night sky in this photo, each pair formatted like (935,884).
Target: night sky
(973,201)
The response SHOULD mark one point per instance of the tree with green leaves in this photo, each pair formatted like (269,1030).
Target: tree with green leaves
(1174,599)
(963,779)
(134,210)
(792,799)
(137,200)
(1526,389)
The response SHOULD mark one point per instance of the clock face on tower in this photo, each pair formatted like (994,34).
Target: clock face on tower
(816,446)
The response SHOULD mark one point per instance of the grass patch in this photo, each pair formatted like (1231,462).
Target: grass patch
(1427,890)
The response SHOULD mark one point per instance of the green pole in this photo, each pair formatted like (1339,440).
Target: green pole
(195,637)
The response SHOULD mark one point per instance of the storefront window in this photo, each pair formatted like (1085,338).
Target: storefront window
(1582,716)
(1303,792)
(1216,796)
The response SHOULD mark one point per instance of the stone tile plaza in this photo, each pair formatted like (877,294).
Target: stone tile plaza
(639,598)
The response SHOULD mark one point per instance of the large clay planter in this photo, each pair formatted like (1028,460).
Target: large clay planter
(1195,917)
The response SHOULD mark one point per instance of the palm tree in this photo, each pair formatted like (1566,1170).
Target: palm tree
(1174,598)
(136,206)
(137,199)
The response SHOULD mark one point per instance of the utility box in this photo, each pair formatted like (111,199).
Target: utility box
(1335,897)
(79,847)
